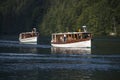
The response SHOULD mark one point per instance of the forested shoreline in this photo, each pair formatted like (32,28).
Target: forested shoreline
(100,16)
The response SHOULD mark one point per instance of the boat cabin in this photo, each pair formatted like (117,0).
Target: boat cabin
(70,37)
(28,35)
(33,33)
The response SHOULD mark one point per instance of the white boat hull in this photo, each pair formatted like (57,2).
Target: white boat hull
(75,44)
(29,40)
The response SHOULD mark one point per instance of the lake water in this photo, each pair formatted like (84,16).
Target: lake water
(43,62)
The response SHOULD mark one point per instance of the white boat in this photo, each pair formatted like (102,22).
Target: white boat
(71,39)
(29,37)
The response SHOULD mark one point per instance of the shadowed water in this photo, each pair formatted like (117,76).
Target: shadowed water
(43,62)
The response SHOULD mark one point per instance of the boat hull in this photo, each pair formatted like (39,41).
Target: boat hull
(29,40)
(75,44)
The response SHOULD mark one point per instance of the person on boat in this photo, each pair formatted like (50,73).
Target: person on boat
(61,38)
(64,37)
(34,30)
(79,30)
(84,28)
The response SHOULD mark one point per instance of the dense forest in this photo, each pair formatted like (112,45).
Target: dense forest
(100,16)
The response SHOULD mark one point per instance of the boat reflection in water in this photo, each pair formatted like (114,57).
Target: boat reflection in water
(28,50)
(60,50)
(28,47)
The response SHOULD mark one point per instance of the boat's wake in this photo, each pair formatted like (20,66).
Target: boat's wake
(4,43)
(8,41)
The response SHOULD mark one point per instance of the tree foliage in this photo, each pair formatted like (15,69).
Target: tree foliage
(48,16)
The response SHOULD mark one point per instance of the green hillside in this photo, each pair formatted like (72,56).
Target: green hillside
(100,16)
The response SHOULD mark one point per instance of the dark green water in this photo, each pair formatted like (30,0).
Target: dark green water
(43,62)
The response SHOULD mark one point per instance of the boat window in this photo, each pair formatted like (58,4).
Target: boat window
(86,35)
(53,37)
(80,36)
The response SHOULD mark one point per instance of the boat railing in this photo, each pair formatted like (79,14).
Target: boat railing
(28,35)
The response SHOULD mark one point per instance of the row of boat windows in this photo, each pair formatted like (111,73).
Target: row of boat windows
(70,37)
(28,35)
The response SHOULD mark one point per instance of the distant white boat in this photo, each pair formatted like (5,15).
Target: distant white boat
(29,37)
(71,39)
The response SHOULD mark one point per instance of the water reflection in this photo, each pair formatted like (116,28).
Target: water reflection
(30,47)
(71,50)
(28,50)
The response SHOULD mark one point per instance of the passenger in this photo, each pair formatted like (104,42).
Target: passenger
(64,38)
(34,32)
(79,30)
(79,36)
(61,38)
(34,29)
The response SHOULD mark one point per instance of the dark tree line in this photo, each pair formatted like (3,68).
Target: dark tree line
(100,16)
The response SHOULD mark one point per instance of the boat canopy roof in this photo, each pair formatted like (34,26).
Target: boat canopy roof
(28,32)
(71,33)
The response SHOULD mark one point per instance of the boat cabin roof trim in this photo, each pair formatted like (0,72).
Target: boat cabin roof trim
(27,32)
(71,33)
